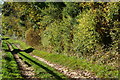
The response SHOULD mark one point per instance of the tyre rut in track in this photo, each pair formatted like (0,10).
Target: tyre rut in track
(26,71)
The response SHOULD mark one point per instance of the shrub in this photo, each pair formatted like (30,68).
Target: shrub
(32,37)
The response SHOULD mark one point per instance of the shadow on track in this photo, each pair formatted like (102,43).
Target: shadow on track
(5,38)
(15,51)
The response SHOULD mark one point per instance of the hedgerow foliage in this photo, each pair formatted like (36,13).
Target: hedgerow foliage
(68,28)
